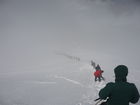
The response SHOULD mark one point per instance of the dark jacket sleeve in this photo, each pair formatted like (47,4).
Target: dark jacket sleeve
(135,95)
(106,91)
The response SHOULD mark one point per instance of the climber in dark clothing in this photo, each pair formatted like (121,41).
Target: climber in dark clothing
(121,92)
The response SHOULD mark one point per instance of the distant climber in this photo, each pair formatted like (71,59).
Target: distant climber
(98,72)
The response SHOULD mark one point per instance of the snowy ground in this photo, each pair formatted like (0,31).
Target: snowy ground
(46,47)
(66,81)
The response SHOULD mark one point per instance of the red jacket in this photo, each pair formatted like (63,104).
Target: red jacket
(98,73)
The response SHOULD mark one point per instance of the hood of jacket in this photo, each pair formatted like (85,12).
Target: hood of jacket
(121,73)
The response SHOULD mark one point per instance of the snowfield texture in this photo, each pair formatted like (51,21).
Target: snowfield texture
(73,84)
(46,47)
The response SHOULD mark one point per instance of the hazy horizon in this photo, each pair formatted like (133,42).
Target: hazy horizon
(34,32)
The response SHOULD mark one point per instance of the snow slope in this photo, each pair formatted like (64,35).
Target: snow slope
(46,47)
(71,84)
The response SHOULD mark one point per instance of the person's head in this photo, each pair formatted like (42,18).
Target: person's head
(98,67)
(121,72)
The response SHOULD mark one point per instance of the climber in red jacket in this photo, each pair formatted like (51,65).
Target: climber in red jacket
(98,72)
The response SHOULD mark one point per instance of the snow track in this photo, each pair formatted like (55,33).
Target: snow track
(70,80)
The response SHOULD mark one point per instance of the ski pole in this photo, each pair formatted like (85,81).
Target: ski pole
(97,99)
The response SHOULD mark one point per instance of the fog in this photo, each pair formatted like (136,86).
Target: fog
(36,36)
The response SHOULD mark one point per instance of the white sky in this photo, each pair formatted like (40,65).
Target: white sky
(31,30)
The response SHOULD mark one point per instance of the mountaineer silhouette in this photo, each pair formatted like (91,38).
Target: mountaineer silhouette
(120,92)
